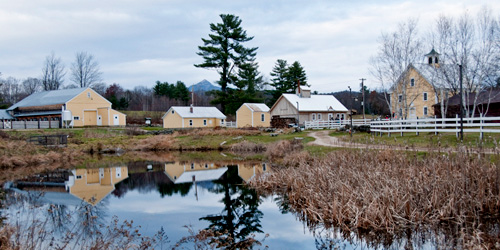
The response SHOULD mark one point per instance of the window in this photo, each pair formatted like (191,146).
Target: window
(88,94)
(78,177)
(76,118)
(313,117)
(425,111)
(190,122)
(221,121)
(204,122)
(264,167)
(430,60)
(262,117)
(425,96)
(173,111)
(206,165)
(400,98)
(319,116)
(192,165)
(412,82)
(436,60)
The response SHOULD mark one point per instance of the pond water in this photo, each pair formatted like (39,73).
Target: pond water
(163,198)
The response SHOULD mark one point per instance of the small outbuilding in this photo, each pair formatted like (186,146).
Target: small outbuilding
(193,117)
(253,115)
(302,106)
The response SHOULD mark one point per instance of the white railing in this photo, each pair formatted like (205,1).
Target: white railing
(479,125)
(335,123)
(29,124)
(230,124)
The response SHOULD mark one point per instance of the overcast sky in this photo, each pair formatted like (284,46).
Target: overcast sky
(139,42)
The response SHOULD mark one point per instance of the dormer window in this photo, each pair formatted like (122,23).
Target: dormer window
(430,60)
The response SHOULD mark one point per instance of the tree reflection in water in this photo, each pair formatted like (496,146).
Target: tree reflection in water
(240,218)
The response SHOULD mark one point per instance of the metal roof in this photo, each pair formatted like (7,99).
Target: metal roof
(201,175)
(48,98)
(55,112)
(315,103)
(4,115)
(257,107)
(198,112)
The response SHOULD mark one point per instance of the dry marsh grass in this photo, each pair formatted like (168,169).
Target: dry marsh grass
(220,132)
(392,192)
(155,143)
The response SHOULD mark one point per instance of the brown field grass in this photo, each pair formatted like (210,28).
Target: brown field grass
(392,192)
(220,131)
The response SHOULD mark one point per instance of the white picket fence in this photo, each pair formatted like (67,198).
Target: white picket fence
(479,125)
(334,124)
(230,124)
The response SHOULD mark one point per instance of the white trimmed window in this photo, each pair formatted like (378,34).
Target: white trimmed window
(313,117)
(204,122)
(76,118)
(319,117)
(173,111)
(412,82)
(425,96)
(262,117)
(425,111)
(190,122)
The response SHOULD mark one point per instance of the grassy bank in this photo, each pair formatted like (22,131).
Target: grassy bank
(381,195)
(422,140)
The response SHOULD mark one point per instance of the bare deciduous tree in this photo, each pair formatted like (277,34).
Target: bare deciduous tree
(32,85)
(472,43)
(85,70)
(52,73)
(397,51)
(11,90)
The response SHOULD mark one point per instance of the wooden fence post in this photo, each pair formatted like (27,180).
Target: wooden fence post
(481,134)
(456,127)
(435,126)
(417,127)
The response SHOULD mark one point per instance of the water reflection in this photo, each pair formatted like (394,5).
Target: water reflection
(240,217)
(77,201)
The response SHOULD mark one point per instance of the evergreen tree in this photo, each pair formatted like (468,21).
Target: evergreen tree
(225,52)
(285,78)
(296,74)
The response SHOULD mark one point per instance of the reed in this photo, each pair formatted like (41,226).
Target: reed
(248,147)
(389,191)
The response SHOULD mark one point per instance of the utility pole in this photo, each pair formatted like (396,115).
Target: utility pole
(350,97)
(363,92)
(461,106)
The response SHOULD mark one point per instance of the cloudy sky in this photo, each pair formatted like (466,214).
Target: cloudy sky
(139,42)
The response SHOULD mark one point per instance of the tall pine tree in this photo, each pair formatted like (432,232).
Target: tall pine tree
(224,51)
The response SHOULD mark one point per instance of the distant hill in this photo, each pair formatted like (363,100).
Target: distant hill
(203,86)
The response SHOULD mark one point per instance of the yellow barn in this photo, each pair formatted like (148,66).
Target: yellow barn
(193,117)
(253,115)
(92,185)
(80,107)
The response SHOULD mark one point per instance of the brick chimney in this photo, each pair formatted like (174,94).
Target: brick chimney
(191,108)
(297,91)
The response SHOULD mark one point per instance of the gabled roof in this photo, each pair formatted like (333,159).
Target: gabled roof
(433,75)
(48,98)
(257,107)
(198,112)
(314,103)
(4,115)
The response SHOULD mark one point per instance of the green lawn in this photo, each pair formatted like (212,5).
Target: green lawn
(422,140)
